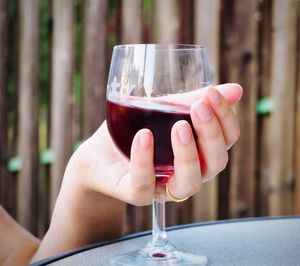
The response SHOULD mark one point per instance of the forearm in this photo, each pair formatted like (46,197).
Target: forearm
(17,246)
(80,217)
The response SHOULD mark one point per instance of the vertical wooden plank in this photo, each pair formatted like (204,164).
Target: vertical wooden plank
(226,44)
(166,21)
(281,137)
(207,33)
(297,125)
(226,10)
(61,88)
(239,64)
(3,102)
(137,219)
(131,21)
(77,94)
(263,120)
(28,113)
(186,21)
(94,67)
(13,75)
(224,64)
(44,176)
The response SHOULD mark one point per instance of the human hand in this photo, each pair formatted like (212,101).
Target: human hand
(105,170)
(88,210)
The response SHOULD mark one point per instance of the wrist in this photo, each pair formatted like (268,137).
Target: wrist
(81,214)
(86,206)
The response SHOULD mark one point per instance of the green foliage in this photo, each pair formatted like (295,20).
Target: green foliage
(47,156)
(264,106)
(14,164)
(76,87)
(147,9)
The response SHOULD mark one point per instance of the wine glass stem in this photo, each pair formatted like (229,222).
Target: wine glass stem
(159,235)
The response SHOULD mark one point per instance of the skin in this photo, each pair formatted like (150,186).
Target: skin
(99,180)
(17,246)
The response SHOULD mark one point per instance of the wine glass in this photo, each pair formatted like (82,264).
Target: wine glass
(144,80)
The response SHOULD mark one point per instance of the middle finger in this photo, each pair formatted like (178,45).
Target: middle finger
(210,139)
(227,118)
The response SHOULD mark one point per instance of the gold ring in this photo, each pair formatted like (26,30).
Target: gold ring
(173,198)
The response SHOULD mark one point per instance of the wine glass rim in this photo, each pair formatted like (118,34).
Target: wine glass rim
(171,46)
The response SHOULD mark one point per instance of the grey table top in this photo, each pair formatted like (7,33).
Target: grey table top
(260,241)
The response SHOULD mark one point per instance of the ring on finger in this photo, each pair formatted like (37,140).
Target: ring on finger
(172,197)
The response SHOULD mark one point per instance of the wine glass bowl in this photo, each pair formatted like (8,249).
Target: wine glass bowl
(146,87)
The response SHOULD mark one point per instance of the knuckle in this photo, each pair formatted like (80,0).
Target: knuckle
(225,111)
(188,190)
(187,160)
(137,198)
(234,136)
(189,180)
(223,161)
(141,188)
(141,203)
(196,187)
(218,165)
(212,132)
(137,202)
(140,162)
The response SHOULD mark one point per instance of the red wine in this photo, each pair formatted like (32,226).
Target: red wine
(126,119)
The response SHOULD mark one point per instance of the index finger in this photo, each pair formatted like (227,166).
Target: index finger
(232,93)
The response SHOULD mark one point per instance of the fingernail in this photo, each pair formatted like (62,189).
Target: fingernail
(203,112)
(184,133)
(213,97)
(145,139)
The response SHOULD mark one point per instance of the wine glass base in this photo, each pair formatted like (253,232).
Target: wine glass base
(167,255)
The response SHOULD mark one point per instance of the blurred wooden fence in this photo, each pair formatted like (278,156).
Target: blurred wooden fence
(255,43)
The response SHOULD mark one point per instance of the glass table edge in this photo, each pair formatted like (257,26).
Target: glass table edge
(145,233)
